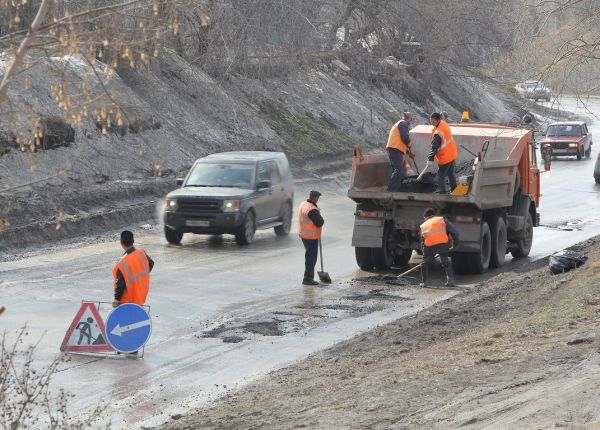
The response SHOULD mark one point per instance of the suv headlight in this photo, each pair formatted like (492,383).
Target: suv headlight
(231,205)
(171,204)
(573,145)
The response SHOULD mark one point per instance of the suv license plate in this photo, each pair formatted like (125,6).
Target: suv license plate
(197,223)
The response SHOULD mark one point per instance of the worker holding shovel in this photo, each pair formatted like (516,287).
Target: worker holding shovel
(434,234)
(311,223)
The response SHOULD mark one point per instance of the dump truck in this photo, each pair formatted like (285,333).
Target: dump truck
(495,215)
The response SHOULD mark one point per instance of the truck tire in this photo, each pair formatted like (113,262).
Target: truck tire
(580,154)
(383,258)
(499,241)
(173,236)
(363,258)
(522,247)
(245,232)
(403,259)
(479,262)
(286,219)
(588,153)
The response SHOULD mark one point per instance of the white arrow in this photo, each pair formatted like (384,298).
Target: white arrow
(118,330)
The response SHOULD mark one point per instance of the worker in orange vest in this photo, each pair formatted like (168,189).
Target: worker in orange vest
(131,273)
(310,225)
(398,146)
(444,151)
(435,232)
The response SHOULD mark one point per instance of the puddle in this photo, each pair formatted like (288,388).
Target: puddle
(573,225)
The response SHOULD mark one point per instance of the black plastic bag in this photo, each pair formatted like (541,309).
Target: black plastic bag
(563,261)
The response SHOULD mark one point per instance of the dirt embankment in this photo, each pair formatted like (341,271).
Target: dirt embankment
(518,351)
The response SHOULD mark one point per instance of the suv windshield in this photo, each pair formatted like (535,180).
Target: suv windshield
(564,130)
(221,175)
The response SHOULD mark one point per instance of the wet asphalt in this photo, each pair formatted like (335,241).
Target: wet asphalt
(225,315)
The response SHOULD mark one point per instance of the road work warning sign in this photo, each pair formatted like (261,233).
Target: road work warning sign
(86,333)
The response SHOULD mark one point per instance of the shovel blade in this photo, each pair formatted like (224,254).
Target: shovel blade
(324,277)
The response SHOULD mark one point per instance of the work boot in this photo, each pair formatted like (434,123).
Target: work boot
(309,282)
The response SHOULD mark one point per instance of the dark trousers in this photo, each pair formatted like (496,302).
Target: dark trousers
(429,254)
(398,170)
(311,246)
(446,170)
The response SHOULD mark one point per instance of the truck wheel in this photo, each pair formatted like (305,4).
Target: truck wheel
(588,153)
(523,246)
(383,258)
(580,154)
(499,234)
(363,258)
(403,259)
(286,219)
(245,233)
(173,236)
(479,262)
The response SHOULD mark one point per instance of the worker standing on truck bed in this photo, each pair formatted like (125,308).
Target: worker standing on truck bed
(444,151)
(435,241)
(311,223)
(397,146)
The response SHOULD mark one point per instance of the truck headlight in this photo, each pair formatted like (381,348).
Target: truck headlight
(547,145)
(171,204)
(573,145)
(231,205)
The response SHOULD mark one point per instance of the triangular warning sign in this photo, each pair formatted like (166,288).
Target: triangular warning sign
(86,332)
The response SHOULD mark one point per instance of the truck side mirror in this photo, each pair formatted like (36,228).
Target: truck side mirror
(179,181)
(263,184)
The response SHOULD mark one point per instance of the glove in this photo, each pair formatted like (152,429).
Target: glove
(115,303)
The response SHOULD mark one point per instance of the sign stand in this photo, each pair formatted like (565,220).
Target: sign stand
(87,334)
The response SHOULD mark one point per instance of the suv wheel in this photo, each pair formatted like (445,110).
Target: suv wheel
(580,154)
(173,236)
(286,219)
(245,233)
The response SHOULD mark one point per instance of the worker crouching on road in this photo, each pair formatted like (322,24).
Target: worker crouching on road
(444,151)
(131,273)
(398,145)
(311,223)
(435,241)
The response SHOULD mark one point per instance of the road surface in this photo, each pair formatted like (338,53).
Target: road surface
(225,315)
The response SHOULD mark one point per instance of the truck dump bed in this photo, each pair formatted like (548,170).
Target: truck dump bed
(494,175)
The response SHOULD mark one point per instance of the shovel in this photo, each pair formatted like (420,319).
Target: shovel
(323,276)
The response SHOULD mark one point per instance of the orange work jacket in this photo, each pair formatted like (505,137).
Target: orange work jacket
(307,230)
(395,140)
(448,151)
(433,231)
(136,271)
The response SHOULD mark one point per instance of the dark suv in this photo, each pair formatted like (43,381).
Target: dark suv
(232,193)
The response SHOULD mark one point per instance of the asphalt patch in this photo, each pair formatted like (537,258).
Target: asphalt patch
(376,295)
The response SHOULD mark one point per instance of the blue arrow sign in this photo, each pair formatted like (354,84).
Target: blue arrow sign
(128,328)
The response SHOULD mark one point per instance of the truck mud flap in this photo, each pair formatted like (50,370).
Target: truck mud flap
(368,233)
(516,227)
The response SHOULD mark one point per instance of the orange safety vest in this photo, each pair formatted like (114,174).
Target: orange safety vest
(395,140)
(448,151)
(307,230)
(136,271)
(433,231)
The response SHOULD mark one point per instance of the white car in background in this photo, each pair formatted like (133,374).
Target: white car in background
(533,90)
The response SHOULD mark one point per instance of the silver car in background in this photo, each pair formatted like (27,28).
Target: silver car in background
(533,90)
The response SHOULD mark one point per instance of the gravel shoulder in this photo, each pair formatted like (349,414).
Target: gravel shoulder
(518,351)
